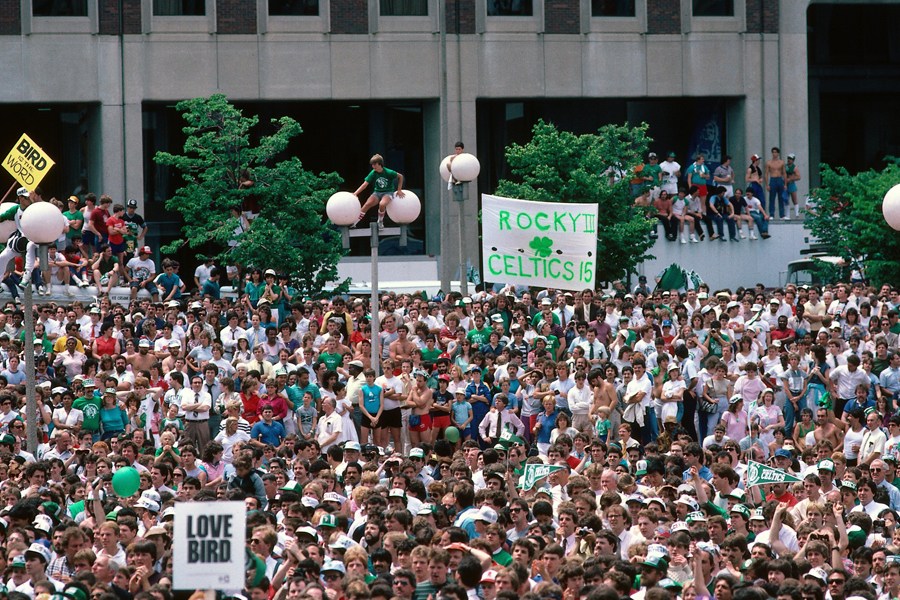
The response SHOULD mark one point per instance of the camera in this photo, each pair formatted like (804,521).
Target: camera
(584,531)
(878,526)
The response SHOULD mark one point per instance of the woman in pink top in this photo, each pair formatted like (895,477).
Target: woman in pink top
(735,419)
(749,385)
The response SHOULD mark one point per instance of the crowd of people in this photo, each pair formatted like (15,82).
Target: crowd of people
(686,199)
(410,478)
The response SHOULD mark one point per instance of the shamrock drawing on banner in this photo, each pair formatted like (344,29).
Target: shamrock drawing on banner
(542,246)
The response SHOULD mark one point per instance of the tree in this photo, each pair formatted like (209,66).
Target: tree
(846,217)
(224,169)
(560,166)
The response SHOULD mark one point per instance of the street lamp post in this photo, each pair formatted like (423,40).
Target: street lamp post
(459,170)
(41,223)
(343,210)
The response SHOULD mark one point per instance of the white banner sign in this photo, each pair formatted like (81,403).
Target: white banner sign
(544,244)
(208,545)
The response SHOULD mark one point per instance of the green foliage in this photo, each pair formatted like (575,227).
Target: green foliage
(221,157)
(559,166)
(847,218)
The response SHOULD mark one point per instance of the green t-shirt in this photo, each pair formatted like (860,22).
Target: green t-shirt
(386,181)
(431,355)
(653,172)
(332,361)
(72,215)
(479,336)
(90,407)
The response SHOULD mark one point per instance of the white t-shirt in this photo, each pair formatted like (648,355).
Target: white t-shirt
(141,269)
(393,383)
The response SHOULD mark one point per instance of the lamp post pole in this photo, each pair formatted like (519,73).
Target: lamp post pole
(375,326)
(31,416)
(460,190)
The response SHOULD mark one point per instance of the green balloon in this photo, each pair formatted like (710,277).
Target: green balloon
(126,482)
(451,434)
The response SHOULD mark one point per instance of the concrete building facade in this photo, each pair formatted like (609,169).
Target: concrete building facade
(100,64)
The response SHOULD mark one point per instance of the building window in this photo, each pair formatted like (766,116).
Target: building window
(404,8)
(509,8)
(612,8)
(59,8)
(713,8)
(294,8)
(179,8)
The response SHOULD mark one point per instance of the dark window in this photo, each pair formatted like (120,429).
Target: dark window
(294,8)
(713,8)
(179,8)
(59,8)
(404,8)
(612,8)
(509,8)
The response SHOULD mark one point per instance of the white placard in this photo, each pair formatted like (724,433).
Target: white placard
(544,244)
(208,545)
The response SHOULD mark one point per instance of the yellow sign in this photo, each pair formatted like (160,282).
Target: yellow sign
(27,162)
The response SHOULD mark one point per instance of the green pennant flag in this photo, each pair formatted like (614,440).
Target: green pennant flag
(535,472)
(507,438)
(760,474)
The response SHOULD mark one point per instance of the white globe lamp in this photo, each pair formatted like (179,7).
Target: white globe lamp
(445,167)
(7,227)
(42,223)
(404,210)
(465,167)
(343,208)
(890,208)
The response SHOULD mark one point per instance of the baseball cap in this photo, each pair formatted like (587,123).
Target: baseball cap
(40,551)
(132,203)
(679,526)
(333,497)
(826,465)
(270,272)
(487,514)
(416,453)
(782,453)
(334,565)
(657,562)
(22,191)
(43,523)
(818,573)
(741,510)
(352,446)
(489,576)
(144,250)
(328,521)
(357,363)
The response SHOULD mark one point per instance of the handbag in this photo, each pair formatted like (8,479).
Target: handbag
(707,407)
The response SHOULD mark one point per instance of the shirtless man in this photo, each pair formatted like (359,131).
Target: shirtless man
(420,400)
(143,360)
(829,428)
(775,178)
(605,395)
(401,347)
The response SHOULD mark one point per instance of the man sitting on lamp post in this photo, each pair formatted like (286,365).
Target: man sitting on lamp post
(386,183)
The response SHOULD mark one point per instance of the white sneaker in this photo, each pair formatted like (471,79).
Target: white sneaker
(743,236)
(70,290)
(694,239)
(43,291)
(380,225)
(752,235)
(786,218)
(683,241)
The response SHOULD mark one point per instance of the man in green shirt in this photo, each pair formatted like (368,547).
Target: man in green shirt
(385,182)
(652,173)
(75,219)
(332,356)
(479,335)
(89,405)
